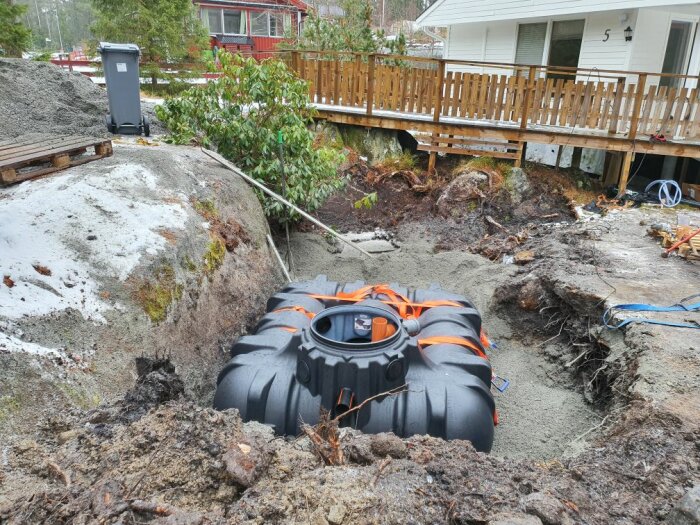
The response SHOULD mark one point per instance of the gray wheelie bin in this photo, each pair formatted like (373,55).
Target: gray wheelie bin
(121,66)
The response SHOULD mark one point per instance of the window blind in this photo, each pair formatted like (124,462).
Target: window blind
(530,46)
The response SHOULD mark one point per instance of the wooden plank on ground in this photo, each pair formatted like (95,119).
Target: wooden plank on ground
(47,152)
(37,146)
(57,158)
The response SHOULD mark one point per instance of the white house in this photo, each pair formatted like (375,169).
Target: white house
(658,36)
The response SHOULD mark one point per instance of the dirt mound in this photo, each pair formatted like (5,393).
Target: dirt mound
(39,97)
(490,211)
(185,464)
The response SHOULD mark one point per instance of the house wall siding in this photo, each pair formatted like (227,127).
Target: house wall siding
(615,52)
(449,12)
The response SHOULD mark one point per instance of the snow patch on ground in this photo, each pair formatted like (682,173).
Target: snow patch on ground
(12,344)
(81,228)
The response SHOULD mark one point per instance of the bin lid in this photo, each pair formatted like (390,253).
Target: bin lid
(109,47)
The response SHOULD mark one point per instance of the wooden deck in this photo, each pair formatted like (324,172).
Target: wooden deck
(22,160)
(467,106)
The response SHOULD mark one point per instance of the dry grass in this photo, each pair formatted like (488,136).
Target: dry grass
(574,187)
(168,235)
(403,162)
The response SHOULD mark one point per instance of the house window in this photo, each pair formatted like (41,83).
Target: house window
(279,23)
(211,18)
(270,23)
(530,46)
(234,22)
(218,21)
(565,45)
(259,23)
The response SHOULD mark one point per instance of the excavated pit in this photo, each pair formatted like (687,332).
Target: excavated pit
(552,404)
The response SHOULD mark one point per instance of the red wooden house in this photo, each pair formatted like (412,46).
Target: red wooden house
(252,27)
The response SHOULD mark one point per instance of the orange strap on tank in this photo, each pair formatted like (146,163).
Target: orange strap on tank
(289,329)
(299,309)
(406,308)
(451,340)
(485,341)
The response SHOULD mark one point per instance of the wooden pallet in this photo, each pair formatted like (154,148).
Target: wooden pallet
(22,160)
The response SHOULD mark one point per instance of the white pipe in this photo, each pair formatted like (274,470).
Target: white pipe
(279,258)
(281,199)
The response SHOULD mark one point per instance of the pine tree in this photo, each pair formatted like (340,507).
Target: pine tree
(14,36)
(165,30)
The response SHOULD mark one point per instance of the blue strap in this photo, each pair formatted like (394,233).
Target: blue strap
(640,307)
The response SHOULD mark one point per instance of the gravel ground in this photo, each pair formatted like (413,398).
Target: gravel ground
(39,97)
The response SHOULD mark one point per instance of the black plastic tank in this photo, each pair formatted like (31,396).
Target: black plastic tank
(324,344)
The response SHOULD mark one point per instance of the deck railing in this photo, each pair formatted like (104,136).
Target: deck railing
(622,103)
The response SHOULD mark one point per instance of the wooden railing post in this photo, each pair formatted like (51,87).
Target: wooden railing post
(370,83)
(639,97)
(528,96)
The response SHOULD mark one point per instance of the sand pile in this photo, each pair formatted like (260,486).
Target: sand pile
(39,97)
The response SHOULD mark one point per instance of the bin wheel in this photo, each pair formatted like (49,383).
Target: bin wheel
(146,127)
(110,125)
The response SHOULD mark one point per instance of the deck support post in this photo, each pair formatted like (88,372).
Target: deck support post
(520,161)
(613,167)
(625,173)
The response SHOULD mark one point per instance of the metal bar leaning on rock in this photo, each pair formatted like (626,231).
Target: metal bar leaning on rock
(277,197)
(279,258)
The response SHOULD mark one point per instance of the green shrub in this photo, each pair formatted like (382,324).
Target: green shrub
(241,114)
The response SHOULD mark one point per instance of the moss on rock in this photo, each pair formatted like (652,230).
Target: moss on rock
(156,296)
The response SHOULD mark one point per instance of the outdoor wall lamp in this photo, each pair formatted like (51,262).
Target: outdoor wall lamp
(628,34)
